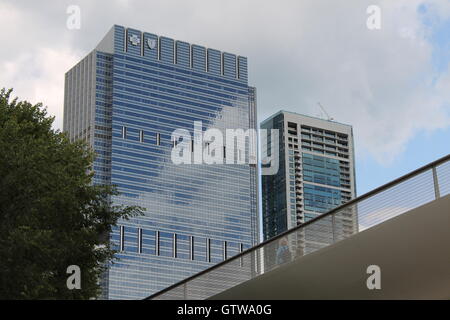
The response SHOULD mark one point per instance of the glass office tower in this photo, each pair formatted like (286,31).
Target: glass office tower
(125,99)
(316,174)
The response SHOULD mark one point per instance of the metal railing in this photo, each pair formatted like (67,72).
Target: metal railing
(410,191)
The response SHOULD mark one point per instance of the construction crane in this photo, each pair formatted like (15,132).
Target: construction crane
(325,112)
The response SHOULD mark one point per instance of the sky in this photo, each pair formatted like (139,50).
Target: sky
(391,84)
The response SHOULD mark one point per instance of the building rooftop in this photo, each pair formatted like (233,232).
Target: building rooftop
(304,115)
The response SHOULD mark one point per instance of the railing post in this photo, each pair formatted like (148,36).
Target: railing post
(436,183)
(333,226)
(241,259)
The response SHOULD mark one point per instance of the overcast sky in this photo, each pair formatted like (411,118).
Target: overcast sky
(391,84)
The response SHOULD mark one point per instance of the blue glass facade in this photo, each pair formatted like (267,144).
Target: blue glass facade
(321,199)
(324,171)
(196,215)
(321,170)
(274,187)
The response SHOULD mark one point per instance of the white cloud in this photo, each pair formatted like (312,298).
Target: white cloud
(39,77)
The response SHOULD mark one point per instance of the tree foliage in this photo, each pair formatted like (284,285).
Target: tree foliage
(51,215)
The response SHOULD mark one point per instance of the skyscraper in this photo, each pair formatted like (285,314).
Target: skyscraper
(126,98)
(316,173)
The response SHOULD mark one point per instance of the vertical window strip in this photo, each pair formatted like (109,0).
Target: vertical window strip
(124,132)
(191,246)
(208,250)
(122,238)
(141,135)
(206,60)
(225,245)
(125,41)
(139,240)
(222,58)
(159,48)
(158,139)
(174,245)
(191,60)
(175,52)
(157,243)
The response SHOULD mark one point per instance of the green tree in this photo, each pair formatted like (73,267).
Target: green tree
(51,215)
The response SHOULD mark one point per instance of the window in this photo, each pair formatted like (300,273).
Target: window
(208,250)
(157,243)
(199,249)
(122,238)
(174,249)
(192,247)
(124,132)
(183,246)
(175,52)
(158,139)
(139,240)
(232,249)
(141,135)
(306,136)
(223,63)
(225,244)
(159,48)
(166,244)
(148,241)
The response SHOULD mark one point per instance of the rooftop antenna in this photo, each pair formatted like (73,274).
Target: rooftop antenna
(325,112)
